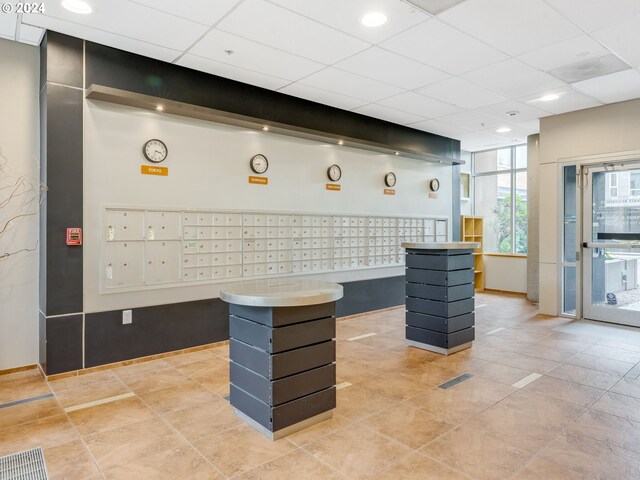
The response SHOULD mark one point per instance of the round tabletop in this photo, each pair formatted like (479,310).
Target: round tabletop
(281,293)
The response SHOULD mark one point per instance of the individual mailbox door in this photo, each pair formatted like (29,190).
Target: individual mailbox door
(124,225)
(124,264)
(161,259)
(162,225)
(441,227)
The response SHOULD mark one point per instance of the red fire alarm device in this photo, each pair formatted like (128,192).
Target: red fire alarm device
(74,236)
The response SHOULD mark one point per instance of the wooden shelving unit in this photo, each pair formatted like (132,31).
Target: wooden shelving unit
(471,231)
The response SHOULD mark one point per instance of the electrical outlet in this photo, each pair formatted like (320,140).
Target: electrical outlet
(127,317)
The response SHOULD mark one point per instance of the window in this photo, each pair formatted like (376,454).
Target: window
(500,196)
(613,185)
(634,184)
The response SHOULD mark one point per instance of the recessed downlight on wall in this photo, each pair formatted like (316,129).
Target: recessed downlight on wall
(373,19)
(77,6)
(503,130)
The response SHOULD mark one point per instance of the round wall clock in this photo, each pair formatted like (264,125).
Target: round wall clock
(390,179)
(334,173)
(434,185)
(155,150)
(259,163)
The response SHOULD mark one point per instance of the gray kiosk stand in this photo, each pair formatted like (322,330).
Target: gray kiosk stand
(440,296)
(282,351)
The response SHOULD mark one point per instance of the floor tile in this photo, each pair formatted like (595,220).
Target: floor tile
(203,419)
(141,368)
(291,467)
(584,376)
(448,405)
(564,390)
(627,386)
(172,399)
(241,449)
(81,380)
(91,392)
(149,382)
(124,444)
(501,373)
(21,385)
(477,453)
(540,469)
(419,467)
(110,415)
(408,425)
(547,410)
(357,452)
(619,405)
(601,364)
(354,371)
(69,461)
(45,432)
(28,412)
(613,353)
(319,430)
(181,463)
(356,402)
(591,458)
(609,429)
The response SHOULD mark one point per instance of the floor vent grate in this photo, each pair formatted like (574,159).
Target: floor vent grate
(27,465)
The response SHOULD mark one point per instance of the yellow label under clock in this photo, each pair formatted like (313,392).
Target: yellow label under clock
(153,170)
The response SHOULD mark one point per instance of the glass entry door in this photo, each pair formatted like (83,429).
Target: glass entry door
(611,244)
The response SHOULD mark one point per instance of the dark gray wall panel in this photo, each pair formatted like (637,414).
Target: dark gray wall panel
(367,295)
(64,344)
(64,59)
(115,68)
(158,329)
(64,198)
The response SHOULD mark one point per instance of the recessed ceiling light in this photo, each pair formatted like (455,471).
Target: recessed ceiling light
(397,153)
(373,19)
(159,108)
(265,129)
(503,130)
(340,142)
(77,6)
(549,98)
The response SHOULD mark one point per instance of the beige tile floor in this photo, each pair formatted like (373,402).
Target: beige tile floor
(578,418)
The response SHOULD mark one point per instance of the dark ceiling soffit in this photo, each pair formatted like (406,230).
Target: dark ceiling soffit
(148,102)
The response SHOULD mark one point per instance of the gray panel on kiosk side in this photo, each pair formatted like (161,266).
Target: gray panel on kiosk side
(282,364)
(303,334)
(279,316)
(440,262)
(439,324)
(442,278)
(251,406)
(306,407)
(438,339)
(250,332)
(440,309)
(441,294)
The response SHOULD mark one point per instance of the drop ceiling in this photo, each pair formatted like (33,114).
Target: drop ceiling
(475,67)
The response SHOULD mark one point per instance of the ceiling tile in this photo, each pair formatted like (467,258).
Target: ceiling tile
(471,121)
(388,114)
(103,37)
(568,101)
(125,19)
(346,15)
(623,40)
(596,14)
(533,125)
(524,112)
(322,96)
(435,7)
(253,56)
(616,87)
(461,93)
(388,67)
(517,134)
(234,73)
(443,47)
(513,78)
(30,35)
(440,128)
(592,68)
(420,105)
(512,27)
(349,84)
(280,28)
(481,141)
(8,25)
(564,53)
(207,13)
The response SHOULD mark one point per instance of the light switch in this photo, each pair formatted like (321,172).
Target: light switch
(127,317)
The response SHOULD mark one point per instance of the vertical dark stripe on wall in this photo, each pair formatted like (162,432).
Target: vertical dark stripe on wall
(455,203)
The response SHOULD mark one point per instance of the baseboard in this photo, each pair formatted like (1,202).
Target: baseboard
(9,371)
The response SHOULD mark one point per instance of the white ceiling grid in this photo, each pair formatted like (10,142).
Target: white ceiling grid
(461,73)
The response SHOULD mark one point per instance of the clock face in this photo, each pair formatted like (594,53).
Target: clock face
(259,163)
(334,173)
(434,185)
(390,179)
(155,150)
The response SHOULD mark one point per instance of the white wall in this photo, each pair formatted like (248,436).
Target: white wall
(208,168)
(508,274)
(19,144)
(610,129)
